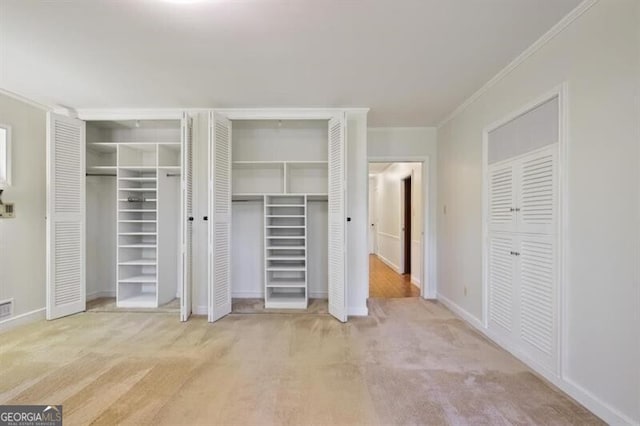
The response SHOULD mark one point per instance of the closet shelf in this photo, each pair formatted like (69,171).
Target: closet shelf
(286,205)
(143,300)
(285,215)
(140,279)
(141,262)
(285,268)
(286,226)
(276,258)
(137,221)
(138,233)
(276,284)
(285,237)
(138,210)
(303,247)
(143,246)
(139,179)
(146,200)
(138,189)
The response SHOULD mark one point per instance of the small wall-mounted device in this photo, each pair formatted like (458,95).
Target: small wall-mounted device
(6,209)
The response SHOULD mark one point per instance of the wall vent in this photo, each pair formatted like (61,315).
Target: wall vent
(6,308)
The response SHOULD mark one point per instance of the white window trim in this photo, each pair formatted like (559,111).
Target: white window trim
(5,181)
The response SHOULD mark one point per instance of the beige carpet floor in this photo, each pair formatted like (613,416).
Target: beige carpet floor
(108,304)
(409,362)
(256,306)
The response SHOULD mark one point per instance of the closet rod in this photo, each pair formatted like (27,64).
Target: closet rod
(173,174)
(100,174)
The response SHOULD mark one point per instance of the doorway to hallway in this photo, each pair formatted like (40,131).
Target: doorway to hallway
(395,231)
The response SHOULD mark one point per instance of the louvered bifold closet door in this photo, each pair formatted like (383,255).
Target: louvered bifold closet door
(502,203)
(537,192)
(502,296)
(337,219)
(537,283)
(220,217)
(65,216)
(187,217)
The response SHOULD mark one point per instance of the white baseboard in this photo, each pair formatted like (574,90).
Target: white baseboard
(22,319)
(591,402)
(389,263)
(98,294)
(415,280)
(462,313)
(353,311)
(201,310)
(318,294)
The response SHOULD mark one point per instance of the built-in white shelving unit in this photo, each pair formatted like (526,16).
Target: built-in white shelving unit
(137,258)
(285,235)
(145,159)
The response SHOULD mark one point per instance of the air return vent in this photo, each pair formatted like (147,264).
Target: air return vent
(6,308)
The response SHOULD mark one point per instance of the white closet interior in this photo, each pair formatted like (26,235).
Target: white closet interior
(133,211)
(279,216)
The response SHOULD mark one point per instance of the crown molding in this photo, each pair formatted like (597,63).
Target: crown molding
(530,51)
(28,101)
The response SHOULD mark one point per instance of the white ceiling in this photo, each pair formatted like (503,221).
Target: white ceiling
(411,61)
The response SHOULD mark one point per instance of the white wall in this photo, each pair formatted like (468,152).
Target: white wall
(22,240)
(598,56)
(389,207)
(390,144)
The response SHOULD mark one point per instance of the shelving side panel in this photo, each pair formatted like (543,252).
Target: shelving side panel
(169,273)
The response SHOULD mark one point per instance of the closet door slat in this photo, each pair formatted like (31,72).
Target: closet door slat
(187,217)
(337,219)
(220,217)
(66,221)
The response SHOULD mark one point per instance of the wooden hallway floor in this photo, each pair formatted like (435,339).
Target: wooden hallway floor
(386,283)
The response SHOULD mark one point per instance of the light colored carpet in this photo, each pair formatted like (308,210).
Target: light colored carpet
(108,304)
(409,362)
(256,306)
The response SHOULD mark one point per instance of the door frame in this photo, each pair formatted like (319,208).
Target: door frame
(562,93)
(428,285)
(403,225)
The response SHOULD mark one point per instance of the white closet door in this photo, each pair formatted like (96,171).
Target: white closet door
(502,202)
(537,192)
(220,217)
(187,217)
(537,298)
(66,284)
(337,219)
(501,283)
